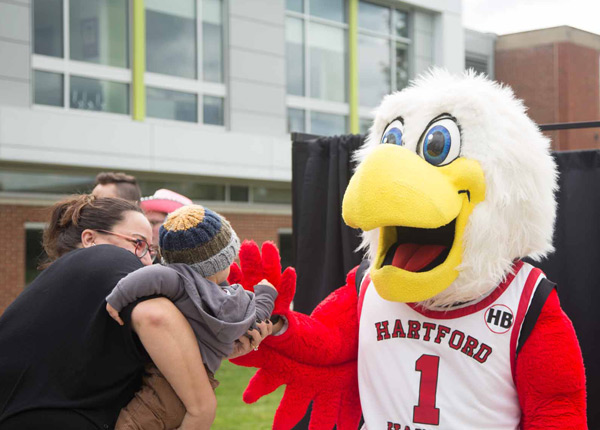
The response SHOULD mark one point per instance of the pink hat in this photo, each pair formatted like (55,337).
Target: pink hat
(165,201)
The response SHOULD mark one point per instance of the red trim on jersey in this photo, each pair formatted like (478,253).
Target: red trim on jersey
(526,295)
(361,295)
(471,309)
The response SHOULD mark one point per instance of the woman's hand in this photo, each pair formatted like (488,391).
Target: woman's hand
(244,345)
(114,314)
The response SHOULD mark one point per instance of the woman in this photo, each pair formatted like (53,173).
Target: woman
(64,363)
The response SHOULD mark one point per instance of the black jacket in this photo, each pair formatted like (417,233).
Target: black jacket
(59,348)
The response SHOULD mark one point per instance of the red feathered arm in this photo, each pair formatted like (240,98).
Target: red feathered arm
(316,356)
(550,376)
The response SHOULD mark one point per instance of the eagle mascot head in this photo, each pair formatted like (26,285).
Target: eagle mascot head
(454,183)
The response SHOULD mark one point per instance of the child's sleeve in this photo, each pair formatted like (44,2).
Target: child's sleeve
(147,281)
(265,301)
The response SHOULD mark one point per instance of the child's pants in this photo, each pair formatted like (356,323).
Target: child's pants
(156,405)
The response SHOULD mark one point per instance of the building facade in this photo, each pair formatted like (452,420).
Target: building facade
(556,71)
(198,96)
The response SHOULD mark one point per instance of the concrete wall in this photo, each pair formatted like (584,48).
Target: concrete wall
(481,46)
(257,67)
(90,139)
(15,53)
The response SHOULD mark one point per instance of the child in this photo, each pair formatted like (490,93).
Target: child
(197,247)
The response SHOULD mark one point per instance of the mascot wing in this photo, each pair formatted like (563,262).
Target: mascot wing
(315,357)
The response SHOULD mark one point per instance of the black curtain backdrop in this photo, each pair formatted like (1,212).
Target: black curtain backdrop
(324,246)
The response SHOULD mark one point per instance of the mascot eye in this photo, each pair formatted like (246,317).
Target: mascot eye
(440,145)
(393,133)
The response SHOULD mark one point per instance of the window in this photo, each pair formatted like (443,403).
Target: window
(271,195)
(382,52)
(82,57)
(34,251)
(48,88)
(477,62)
(88,69)
(171,104)
(316,66)
(28,180)
(286,250)
(184,61)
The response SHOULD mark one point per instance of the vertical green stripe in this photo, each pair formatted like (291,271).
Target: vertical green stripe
(353,66)
(139,60)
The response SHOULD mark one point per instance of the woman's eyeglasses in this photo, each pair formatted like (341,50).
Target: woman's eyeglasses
(142,247)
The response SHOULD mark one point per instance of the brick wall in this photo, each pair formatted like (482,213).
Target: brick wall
(259,227)
(559,82)
(578,94)
(12,248)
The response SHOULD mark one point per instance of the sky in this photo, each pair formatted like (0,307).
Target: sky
(512,16)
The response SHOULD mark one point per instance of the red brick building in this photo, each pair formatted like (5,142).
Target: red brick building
(22,221)
(556,71)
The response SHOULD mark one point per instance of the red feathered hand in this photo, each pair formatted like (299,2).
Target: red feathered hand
(332,389)
(316,355)
(257,266)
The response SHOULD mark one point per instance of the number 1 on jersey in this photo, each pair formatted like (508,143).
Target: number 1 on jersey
(426,412)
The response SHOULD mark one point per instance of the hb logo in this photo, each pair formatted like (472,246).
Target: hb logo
(499,318)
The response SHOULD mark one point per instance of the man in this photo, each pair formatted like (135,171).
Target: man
(111,184)
(159,205)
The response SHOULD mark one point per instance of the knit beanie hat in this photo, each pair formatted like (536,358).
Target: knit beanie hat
(199,237)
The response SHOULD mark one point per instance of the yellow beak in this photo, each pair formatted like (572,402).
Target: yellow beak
(397,191)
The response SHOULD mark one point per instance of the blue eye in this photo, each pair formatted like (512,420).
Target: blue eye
(436,145)
(440,144)
(393,133)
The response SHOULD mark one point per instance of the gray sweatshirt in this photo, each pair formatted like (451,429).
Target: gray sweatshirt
(218,314)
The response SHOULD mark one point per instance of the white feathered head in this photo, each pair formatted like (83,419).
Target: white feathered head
(455,182)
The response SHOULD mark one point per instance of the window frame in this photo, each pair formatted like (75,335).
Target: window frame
(306,103)
(198,86)
(68,67)
(366,112)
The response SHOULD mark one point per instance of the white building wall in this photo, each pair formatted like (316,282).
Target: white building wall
(257,67)
(15,52)
(446,37)
(256,146)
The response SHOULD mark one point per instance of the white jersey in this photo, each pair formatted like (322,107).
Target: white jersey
(420,369)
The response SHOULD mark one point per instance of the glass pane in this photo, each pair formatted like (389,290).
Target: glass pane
(294,56)
(48,88)
(285,249)
(327,62)
(401,23)
(373,69)
(327,124)
(186,187)
(295,5)
(48,183)
(296,120)
(48,27)
(373,17)
(239,193)
(329,9)
(213,110)
(171,37)
(34,253)
(212,40)
(364,125)
(98,31)
(272,195)
(401,66)
(171,105)
(94,94)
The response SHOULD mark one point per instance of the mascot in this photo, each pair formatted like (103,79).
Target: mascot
(445,327)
